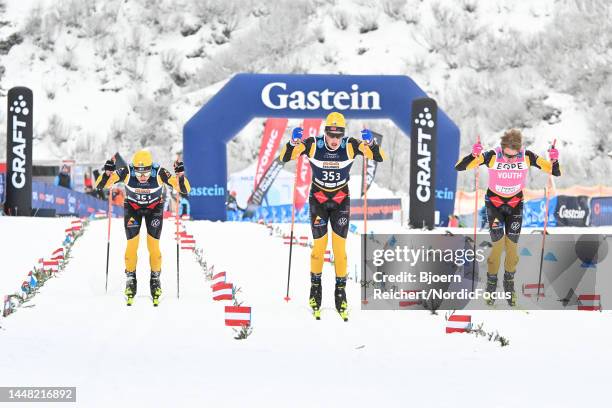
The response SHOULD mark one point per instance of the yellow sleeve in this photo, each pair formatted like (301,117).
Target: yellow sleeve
(114,178)
(295,151)
(476,162)
(185,188)
(541,163)
(366,150)
(544,164)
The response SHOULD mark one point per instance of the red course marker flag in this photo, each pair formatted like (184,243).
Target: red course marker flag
(458,323)
(218,278)
(328,256)
(589,302)
(223,291)
(531,289)
(58,254)
(237,315)
(187,242)
(287,240)
(52,266)
(410,302)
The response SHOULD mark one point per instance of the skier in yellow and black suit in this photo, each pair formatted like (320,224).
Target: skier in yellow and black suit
(144,183)
(331,157)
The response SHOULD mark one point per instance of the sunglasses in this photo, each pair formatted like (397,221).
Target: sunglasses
(510,156)
(334,135)
(142,174)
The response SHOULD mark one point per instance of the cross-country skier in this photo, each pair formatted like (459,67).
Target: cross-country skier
(508,166)
(144,182)
(331,156)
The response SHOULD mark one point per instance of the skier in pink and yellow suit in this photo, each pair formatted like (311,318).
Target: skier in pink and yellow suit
(508,167)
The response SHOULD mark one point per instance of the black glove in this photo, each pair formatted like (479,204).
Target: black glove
(109,165)
(179,167)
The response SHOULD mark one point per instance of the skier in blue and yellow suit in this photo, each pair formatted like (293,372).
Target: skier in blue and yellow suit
(331,156)
(144,182)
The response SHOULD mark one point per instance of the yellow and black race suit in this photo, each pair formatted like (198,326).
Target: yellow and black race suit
(144,201)
(329,194)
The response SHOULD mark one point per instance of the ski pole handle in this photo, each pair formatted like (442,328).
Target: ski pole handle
(553,153)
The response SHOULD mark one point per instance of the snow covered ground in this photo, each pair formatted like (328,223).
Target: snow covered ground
(27,240)
(181,354)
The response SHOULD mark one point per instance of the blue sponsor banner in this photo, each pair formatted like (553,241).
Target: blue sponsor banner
(601,211)
(2,178)
(272,213)
(66,201)
(249,96)
(534,212)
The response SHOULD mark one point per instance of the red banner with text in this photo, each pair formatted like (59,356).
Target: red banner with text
(273,133)
(304,172)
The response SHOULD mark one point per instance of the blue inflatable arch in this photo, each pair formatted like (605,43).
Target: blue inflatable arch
(248,96)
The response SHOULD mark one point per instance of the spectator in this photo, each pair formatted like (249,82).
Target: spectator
(185,207)
(98,193)
(118,197)
(232,207)
(63,178)
(88,182)
(482,213)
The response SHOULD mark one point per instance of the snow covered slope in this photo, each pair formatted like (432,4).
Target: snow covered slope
(180,354)
(123,74)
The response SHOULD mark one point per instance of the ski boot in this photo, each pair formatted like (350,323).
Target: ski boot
(509,287)
(491,288)
(315,294)
(156,290)
(340,297)
(130,287)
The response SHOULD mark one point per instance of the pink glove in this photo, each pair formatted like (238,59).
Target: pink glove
(476,149)
(553,154)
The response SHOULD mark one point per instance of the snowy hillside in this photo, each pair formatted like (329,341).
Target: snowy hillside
(123,74)
(181,354)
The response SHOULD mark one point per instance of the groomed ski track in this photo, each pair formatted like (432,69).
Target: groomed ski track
(181,354)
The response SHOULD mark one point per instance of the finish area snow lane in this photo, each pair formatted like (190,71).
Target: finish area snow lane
(181,354)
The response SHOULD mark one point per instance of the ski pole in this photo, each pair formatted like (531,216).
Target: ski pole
(475,218)
(547,194)
(178,238)
(287,298)
(365,221)
(110,215)
(178,268)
